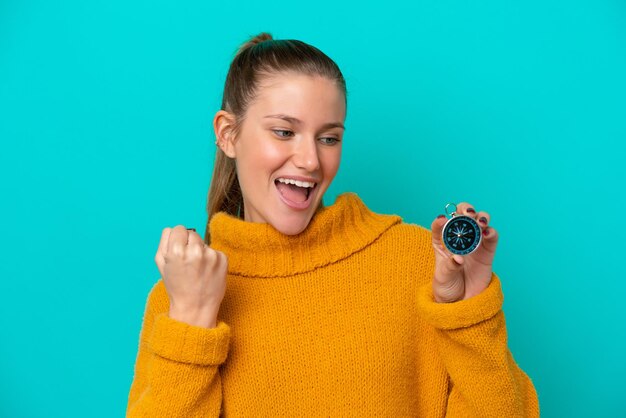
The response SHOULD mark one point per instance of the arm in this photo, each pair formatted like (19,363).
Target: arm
(472,342)
(176,372)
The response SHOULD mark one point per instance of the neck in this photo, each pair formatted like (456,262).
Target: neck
(334,233)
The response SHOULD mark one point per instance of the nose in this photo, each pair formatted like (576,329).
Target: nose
(305,154)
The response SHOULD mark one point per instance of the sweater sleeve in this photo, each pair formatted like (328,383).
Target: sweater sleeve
(472,342)
(177,366)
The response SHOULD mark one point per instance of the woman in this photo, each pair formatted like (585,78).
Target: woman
(293,308)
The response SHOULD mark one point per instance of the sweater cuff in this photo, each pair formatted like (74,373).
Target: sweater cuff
(185,343)
(463,313)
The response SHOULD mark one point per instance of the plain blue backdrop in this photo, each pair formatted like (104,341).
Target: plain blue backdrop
(105,126)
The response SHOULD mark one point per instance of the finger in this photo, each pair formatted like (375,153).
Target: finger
(195,244)
(220,258)
(177,241)
(466,209)
(194,251)
(490,239)
(447,269)
(223,260)
(194,238)
(483,219)
(437,229)
(159,258)
(212,257)
(458,259)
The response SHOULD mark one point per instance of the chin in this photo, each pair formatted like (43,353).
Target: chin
(292,227)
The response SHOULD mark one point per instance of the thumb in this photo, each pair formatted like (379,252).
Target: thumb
(159,258)
(437,228)
(449,263)
(449,267)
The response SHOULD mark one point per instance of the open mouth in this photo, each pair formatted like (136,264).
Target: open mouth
(294,190)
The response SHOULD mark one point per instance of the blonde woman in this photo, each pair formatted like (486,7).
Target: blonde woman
(289,307)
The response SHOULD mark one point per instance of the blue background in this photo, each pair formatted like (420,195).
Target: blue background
(106,138)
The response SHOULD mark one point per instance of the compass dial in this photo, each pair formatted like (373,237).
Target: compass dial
(461,235)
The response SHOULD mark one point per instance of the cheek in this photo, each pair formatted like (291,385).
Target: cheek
(331,161)
(272,154)
(259,155)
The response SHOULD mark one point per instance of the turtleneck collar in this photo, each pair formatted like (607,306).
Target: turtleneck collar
(334,233)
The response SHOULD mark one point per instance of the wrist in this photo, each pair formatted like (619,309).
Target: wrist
(206,318)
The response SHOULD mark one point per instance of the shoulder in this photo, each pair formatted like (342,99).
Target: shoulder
(397,239)
(412,231)
(410,236)
(408,252)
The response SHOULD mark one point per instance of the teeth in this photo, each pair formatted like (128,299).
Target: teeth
(297,182)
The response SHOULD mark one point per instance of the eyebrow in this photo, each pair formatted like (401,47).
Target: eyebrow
(296,121)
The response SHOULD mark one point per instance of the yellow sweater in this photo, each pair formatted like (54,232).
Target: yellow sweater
(336,321)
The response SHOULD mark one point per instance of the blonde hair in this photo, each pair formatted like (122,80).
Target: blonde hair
(258,57)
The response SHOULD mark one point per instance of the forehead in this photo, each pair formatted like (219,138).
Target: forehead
(303,96)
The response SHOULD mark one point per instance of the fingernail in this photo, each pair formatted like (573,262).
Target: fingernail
(441,216)
(191,229)
(486,231)
(471,210)
(483,220)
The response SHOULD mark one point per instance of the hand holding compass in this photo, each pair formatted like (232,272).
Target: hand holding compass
(461,234)
(464,250)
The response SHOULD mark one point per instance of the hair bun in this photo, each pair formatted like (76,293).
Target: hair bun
(255,40)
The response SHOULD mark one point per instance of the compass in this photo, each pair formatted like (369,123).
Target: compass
(461,234)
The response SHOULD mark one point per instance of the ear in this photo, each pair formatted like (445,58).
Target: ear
(223,125)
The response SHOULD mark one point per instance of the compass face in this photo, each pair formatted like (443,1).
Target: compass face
(461,235)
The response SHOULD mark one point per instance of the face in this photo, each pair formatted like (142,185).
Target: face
(288,149)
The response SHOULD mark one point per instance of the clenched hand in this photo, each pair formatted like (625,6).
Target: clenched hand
(194,275)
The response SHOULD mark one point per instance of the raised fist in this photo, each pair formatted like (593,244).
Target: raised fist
(194,275)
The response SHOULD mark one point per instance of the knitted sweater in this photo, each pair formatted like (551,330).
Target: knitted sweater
(338,320)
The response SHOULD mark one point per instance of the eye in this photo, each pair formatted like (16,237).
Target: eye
(329,140)
(282,133)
